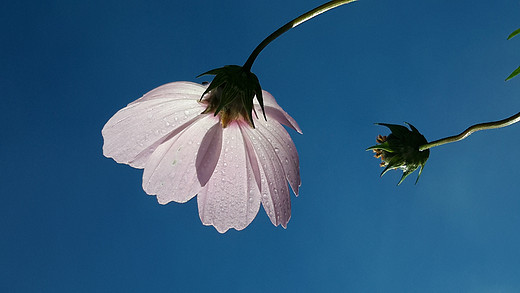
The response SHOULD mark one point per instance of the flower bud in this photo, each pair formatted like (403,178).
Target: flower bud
(400,150)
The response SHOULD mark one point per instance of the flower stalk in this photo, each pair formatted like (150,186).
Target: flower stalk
(291,24)
(477,127)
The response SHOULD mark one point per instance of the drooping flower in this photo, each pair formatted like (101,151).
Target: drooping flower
(400,150)
(231,160)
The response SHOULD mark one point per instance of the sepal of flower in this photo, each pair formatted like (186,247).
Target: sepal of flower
(400,150)
(230,95)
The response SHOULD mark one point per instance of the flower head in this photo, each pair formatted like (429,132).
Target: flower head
(187,150)
(400,150)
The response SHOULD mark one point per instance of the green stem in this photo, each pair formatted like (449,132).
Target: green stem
(481,126)
(295,22)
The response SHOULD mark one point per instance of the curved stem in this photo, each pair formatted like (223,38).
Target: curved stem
(295,22)
(481,126)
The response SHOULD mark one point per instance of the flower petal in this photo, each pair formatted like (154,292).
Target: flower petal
(170,172)
(285,150)
(275,192)
(231,197)
(253,162)
(133,133)
(273,110)
(209,153)
(180,90)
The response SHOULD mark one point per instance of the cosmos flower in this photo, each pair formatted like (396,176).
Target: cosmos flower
(400,150)
(188,145)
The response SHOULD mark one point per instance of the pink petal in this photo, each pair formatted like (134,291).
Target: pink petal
(170,172)
(253,162)
(133,133)
(274,111)
(285,150)
(180,90)
(231,198)
(275,192)
(208,154)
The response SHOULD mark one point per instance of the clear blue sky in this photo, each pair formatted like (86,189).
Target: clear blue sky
(72,220)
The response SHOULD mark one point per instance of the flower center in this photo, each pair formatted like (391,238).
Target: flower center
(381,153)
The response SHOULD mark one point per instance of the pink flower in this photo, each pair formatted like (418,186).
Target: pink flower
(185,151)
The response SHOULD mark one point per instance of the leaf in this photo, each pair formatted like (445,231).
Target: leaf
(514,73)
(514,34)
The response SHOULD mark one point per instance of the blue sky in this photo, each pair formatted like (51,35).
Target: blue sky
(74,221)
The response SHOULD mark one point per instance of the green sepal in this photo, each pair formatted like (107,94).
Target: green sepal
(235,82)
(420,172)
(384,146)
(405,174)
(397,130)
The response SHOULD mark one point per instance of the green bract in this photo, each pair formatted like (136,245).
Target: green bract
(400,150)
(232,91)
